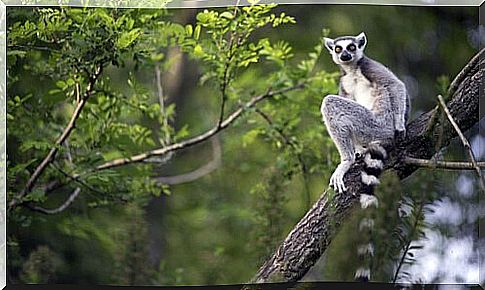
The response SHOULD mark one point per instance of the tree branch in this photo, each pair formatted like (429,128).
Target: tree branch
(199,138)
(65,134)
(452,165)
(464,141)
(223,97)
(147,156)
(311,237)
(59,209)
(199,172)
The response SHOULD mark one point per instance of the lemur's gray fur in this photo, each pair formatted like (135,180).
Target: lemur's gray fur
(371,108)
(370,111)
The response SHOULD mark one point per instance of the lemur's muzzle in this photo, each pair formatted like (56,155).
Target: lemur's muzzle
(345,56)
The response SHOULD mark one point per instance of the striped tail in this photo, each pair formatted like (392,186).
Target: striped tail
(374,158)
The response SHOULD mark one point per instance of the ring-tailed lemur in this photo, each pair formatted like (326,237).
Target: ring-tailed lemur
(372,105)
(369,112)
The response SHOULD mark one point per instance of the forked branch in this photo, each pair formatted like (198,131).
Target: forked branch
(63,137)
(146,156)
(465,142)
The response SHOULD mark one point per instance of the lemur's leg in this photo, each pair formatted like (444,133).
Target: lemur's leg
(346,121)
(401,104)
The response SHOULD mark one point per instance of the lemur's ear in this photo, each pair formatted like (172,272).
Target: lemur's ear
(361,40)
(329,43)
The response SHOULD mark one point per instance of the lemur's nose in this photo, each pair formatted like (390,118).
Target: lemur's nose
(345,56)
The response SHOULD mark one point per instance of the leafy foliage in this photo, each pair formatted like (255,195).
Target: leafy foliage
(411,229)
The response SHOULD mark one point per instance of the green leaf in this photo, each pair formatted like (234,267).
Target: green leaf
(197,32)
(189,30)
(37,195)
(182,133)
(250,137)
(19,53)
(38,145)
(127,38)
(227,15)
(198,51)
(20,167)
(61,84)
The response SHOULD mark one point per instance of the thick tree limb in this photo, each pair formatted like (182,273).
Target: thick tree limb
(65,134)
(313,234)
(452,165)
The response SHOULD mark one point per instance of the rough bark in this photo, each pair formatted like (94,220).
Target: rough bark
(313,234)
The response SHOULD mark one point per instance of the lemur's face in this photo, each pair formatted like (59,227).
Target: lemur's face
(346,50)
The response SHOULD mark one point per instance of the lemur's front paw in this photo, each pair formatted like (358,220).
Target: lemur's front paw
(337,182)
(337,178)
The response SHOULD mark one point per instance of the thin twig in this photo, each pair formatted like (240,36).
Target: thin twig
(452,165)
(30,47)
(465,142)
(78,93)
(68,152)
(161,100)
(226,79)
(78,180)
(59,209)
(65,134)
(223,97)
(199,138)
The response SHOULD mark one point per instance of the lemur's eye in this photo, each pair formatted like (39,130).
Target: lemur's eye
(338,49)
(351,47)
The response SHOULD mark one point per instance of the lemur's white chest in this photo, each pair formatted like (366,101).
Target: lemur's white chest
(359,88)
